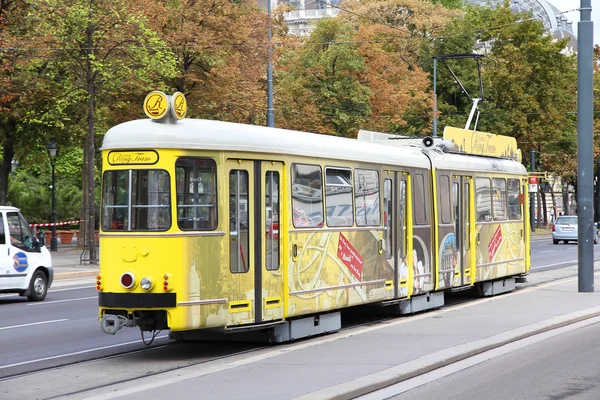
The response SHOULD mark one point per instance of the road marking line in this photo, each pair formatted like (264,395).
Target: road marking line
(41,303)
(33,323)
(76,353)
(75,288)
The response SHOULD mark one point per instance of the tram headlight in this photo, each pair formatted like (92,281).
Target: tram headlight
(146,283)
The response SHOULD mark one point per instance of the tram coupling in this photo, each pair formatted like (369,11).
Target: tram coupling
(110,323)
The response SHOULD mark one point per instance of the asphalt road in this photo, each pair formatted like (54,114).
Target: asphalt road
(547,255)
(63,329)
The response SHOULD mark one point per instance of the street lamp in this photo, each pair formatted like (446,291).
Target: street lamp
(52,148)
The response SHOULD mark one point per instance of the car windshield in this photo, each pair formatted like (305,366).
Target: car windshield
(566,221)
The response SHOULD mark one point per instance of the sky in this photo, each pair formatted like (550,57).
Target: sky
(573,16)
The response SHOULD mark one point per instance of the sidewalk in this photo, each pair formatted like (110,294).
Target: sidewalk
(67,265)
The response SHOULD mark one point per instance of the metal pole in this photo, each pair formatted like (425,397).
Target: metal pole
(270,109)
(597,210)
(532,195)
(585,148)
(435,97)
(53,240)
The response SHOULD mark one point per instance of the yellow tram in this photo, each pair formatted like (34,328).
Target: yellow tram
(213,227)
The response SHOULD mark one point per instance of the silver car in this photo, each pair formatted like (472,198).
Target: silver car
(565,229)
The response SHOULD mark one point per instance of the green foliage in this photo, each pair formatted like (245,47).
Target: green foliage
(33,195)
(529,81)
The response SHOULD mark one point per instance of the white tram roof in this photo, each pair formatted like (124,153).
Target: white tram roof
(446,160)
(470,163)
(199,134)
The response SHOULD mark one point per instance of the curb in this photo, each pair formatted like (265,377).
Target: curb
(75,274)
(382,379)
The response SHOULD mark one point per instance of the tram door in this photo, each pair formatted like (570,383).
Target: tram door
(461,203)
(395,222)
(256,291)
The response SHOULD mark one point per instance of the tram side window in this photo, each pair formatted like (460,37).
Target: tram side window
(239,234)
(483,199)
(136,200)
(307,197)
(446,211)
(366,193)
(514,199)
(402,218)
(499,203)
(419,200)
(387,216)
(196,193)
(272,213)
(338,197)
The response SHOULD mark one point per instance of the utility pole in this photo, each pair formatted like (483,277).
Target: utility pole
(585,148)
(435,120)
(531,194)
(270,109)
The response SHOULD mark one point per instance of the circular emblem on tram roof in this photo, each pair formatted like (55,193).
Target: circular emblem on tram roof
(178,105)
(156,104)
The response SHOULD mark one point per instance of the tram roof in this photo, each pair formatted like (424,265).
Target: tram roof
(199,134)
(465,162)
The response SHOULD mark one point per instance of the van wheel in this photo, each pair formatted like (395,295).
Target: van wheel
(38,288)
(555,241)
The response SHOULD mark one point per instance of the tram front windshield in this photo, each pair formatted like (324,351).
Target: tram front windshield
(136,200)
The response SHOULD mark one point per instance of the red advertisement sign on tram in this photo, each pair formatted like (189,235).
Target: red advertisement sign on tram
(350,257)
(495,243)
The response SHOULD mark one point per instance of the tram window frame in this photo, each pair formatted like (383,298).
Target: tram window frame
(314,189)
(499,199)
(237,217)
(133,200)
(196,190)
(514,201)
(445,197)
(374,207)
(339,189)
(488,215)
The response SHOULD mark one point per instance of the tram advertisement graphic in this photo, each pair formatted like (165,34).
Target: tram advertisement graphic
(495,243)
(350,257)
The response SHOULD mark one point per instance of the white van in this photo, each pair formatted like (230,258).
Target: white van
(25,264)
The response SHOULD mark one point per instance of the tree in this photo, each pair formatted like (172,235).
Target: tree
(530,86)
(221,53)
(391,37)
(98,51)
(329,73)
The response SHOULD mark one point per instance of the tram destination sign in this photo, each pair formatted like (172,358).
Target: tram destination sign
(482,143)
(148,157)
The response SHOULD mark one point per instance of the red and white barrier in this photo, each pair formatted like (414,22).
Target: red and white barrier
(56,223)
